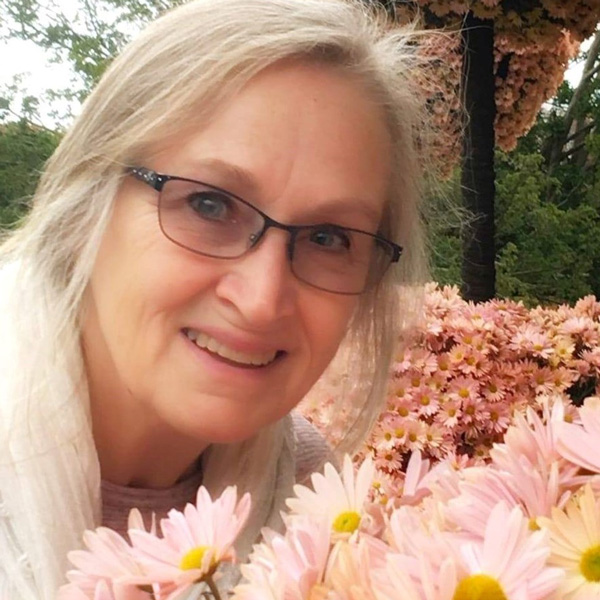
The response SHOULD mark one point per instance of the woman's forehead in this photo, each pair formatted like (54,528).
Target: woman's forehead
(305,129)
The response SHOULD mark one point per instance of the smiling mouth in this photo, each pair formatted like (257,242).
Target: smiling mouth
(229,355)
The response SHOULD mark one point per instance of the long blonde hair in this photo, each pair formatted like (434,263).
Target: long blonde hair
(171,78)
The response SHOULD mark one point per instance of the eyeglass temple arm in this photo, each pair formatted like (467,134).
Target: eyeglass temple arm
(152,178)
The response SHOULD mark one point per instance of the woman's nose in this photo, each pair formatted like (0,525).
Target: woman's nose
(260,284)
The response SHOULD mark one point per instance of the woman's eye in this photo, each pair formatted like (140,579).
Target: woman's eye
(211,206)
(331,238)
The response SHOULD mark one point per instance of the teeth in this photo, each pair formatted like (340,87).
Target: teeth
(204,341)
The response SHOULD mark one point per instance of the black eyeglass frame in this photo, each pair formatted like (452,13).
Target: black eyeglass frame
(158,180)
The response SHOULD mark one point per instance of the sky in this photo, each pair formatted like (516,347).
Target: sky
(19,57)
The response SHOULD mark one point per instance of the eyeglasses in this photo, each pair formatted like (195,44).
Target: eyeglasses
(213,222)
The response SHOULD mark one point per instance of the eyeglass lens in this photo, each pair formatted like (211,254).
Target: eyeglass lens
(209,221)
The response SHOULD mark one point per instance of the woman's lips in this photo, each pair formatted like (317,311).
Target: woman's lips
(231,355)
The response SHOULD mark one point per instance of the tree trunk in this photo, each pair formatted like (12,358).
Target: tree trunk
(554,153)
(478,189)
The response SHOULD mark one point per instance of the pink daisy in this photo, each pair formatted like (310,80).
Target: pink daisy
(449,414)
(563,349)
(415,480)
(415,578)
(401,388)
(587,306)
(464,389)
(532,437)
(510,560)
(426,401)
(480,490)
(416,438)
(435,436)
(500,417)
(338,498)
(444,364)
(457,355)
(194,542)
(577,326)
(105,591)
(494,390)
(290,566)
(581,443)
(530,339)
(109,558)
(348,574)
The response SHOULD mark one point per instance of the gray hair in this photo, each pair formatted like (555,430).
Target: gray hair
(172,77)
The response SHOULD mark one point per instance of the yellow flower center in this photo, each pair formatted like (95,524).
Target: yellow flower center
(590,564)
(318,592)
(346,522)
(479,587)
(193,558)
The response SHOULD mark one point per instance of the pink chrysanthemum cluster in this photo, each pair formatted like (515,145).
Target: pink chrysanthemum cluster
(526,526)
(470,370)
(533,44)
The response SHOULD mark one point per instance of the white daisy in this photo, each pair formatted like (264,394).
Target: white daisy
(338,498)
(575,545)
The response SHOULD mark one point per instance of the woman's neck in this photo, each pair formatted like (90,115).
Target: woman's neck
(134,446)
(135,455)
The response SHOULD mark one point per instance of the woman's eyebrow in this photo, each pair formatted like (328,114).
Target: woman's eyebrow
(231,175)
(239,180)
(339,208)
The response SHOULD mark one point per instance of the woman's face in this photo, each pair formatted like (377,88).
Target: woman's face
(304,144)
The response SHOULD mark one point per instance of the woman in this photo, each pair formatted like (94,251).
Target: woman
(223,216)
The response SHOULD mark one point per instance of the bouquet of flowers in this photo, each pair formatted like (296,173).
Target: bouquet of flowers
(525,526)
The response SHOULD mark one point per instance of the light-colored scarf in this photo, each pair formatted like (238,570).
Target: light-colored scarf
(50,475)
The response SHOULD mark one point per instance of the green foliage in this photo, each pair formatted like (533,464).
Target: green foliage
(24,148)
(547,249)
(547,229)
(548,202)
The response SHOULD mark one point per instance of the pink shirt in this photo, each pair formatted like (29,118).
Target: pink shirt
(311,453)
